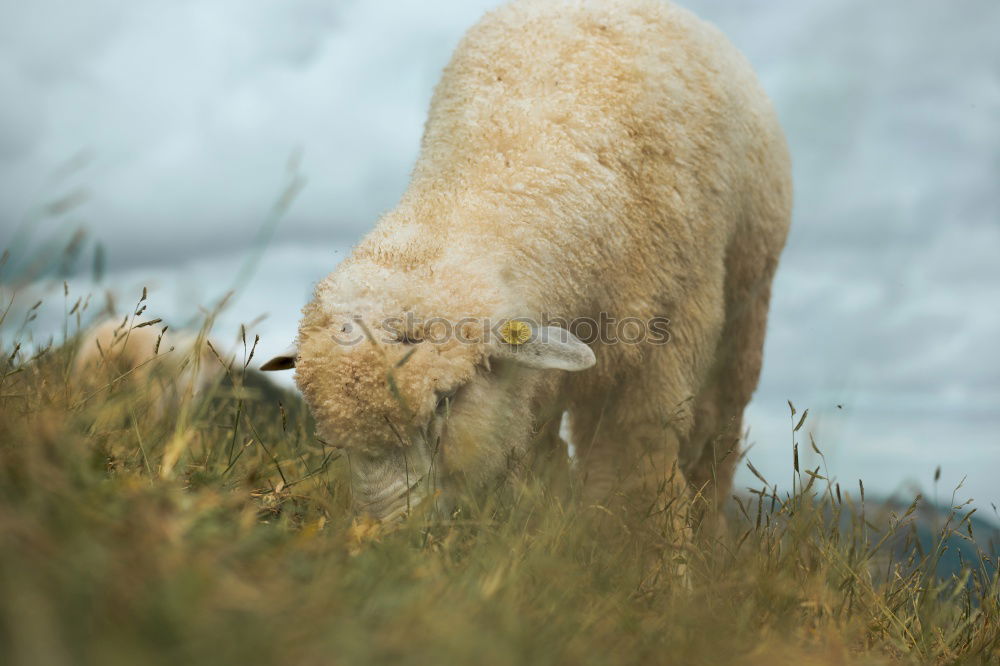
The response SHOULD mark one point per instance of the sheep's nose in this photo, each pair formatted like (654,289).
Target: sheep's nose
(385,486)
(388,509)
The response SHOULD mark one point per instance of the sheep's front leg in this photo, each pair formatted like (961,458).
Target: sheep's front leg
(632,467)
(629,466)
(630,470)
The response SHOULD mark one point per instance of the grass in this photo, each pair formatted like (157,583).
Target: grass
(215,530)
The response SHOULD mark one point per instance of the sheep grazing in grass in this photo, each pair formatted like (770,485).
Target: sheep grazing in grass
(584,164)
(163,363)
(162,368)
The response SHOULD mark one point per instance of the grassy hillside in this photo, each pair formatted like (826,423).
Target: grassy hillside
(141,527)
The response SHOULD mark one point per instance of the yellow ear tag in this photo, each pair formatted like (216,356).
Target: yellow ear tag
(515,332)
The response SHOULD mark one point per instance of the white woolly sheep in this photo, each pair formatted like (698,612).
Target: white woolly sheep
(582,159)
(163,362)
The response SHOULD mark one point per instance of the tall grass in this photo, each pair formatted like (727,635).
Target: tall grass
(144,526)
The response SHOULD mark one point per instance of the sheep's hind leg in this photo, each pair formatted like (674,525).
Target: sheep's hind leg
(718,414)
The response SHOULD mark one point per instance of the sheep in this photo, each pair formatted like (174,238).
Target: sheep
(164,367)
(164,363)
(583,160)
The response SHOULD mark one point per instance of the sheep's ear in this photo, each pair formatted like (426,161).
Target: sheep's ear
(283,361)
(548,348)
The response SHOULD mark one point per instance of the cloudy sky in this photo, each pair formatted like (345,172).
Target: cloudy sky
(169,130)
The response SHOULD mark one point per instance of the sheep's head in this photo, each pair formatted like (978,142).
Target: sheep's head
(423,402)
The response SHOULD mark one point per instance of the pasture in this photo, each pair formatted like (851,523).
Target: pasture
(215,530)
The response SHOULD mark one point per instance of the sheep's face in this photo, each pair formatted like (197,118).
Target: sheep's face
(420,414)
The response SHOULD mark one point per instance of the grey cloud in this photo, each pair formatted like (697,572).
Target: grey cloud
(192,110)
